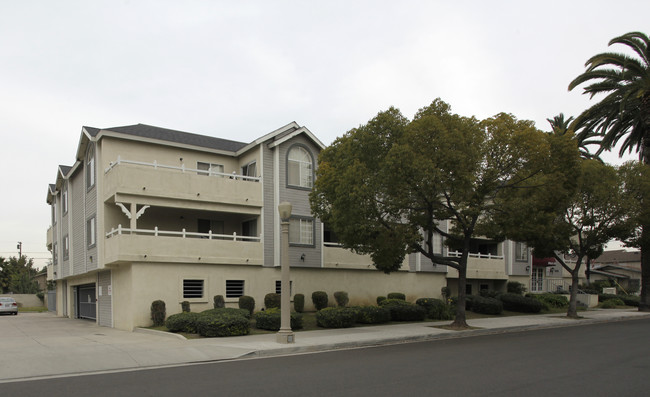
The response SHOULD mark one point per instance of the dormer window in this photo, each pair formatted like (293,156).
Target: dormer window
(300,167)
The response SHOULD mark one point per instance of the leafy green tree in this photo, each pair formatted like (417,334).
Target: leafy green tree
(388,187)
(623,114)
(598,211)
(16,275)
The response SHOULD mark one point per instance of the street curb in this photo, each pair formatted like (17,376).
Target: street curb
(159,333)
(424,338)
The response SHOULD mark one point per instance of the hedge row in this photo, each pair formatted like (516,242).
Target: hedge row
(271,320)
(210,323)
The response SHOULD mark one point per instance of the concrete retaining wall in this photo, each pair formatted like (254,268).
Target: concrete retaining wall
(26,300)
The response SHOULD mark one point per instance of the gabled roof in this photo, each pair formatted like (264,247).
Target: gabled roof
(618,256)
(164,134)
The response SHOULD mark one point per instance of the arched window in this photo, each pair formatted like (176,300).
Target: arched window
(90,167)
(300,167)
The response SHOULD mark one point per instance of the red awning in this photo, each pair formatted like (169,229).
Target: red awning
(543,261)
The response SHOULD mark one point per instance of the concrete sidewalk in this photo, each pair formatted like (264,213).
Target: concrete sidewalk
(38,345)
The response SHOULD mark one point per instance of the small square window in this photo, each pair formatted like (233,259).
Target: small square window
(192,288)
(278,287)
(234,288)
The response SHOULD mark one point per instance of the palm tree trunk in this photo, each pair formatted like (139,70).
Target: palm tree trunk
(644,305)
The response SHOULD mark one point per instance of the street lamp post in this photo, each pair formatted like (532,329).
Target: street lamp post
(285,335)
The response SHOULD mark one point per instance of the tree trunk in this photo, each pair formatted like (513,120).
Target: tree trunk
(460,322)
(644,304)
(573,301)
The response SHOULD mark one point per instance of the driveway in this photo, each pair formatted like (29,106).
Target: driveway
(41,344)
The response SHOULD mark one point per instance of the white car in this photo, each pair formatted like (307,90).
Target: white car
(8,305)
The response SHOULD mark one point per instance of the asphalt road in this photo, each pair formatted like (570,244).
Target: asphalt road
(591,360)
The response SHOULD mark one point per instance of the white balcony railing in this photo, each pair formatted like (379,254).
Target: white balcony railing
(183,234)
(182,168)
(457,254)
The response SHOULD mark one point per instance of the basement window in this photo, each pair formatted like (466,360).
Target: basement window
(234,288)
(192,288)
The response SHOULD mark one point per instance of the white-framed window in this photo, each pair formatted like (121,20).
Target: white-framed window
(91,232)
(300,168)
(234,288)
(64,198)
(521,252)
(437,243)
(55,253)
(301,231)
(66,247)
(90,167)
(193,288)
(249,169)
(211,169)
(54,212)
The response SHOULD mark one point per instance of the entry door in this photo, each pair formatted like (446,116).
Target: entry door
(86,302)
(537,280)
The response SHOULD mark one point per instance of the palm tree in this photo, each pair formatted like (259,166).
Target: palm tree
(561,126)
(623,114)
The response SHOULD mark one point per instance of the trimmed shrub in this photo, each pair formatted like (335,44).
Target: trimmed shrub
(248,303)
(319,299)
(336,317)
(401,310)
(218,302)
(486,293)
(630,300)
(299,303)
(611,303)
(486,305)
(551,300)
(158,313)
(222,324)
(185,306)
(231,311)
(515,287)
(341,298)
(373,315)
(270,320)
(396,295)
(380,299)
(436,308)
(521,304)
(182,322)
(272,301)
(468,301)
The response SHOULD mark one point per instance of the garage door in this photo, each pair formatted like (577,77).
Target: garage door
(86,302)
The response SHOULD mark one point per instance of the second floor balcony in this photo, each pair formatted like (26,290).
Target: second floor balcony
(481,266)
(124,245)
(173,183)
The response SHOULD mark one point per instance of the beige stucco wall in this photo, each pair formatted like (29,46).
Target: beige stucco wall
(136,286)
(26,300)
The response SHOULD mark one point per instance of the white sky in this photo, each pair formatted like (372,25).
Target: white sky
(238,70)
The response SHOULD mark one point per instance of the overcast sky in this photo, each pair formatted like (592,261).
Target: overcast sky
(240,69)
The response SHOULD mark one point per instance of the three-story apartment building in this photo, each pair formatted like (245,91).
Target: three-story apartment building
(147,213)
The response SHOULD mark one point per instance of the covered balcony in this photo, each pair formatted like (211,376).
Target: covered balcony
(179,235)
(485,261)
(165,184)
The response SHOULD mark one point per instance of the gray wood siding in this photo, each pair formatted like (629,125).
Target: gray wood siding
(299,199)
(77,208)
(91,209)
(64,263)
(104,301)
(269,205)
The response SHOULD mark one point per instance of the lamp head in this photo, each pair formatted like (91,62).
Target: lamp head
(285,211)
